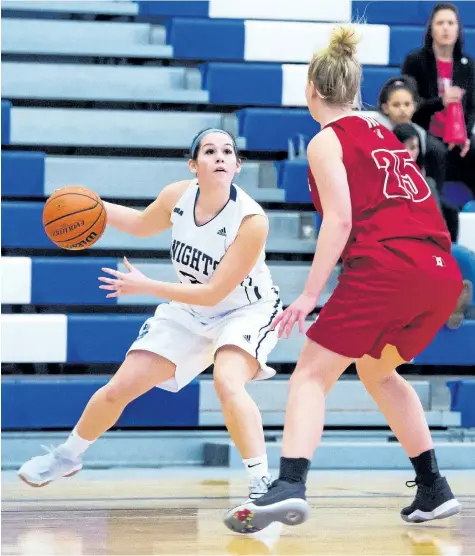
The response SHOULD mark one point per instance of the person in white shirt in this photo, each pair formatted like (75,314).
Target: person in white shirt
(219,313)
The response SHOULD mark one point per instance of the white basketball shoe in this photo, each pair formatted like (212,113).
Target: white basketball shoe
(55,464)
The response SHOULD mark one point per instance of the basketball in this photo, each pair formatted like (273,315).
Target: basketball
(74,218)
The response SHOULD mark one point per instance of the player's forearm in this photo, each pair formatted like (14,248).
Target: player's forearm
(125,219)
(193,294)
(332,238)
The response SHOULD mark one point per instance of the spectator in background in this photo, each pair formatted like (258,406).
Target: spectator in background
(445,74)
(409,136)
(398,101)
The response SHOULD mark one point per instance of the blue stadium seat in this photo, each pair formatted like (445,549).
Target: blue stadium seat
(23,174)
(243,84)
(151,9)
(405,39)
(387,13)
(462,400)
(451,347)
(270,129)
(293,178)
(466,260)
(202,39)
(57,403)
(75,280)
(6,113)
(22,225)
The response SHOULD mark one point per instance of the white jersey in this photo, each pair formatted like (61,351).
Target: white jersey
(196,250)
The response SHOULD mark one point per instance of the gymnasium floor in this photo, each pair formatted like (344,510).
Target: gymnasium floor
(178,512)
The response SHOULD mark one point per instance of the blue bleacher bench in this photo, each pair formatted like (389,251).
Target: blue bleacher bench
(270,129)
(6,111)
(105,338)
(23,173)
(276,84)
(57,403)
(463,400)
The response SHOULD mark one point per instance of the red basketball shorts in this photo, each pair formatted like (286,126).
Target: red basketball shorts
(401,293)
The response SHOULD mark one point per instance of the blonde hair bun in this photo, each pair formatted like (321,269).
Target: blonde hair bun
(343,41)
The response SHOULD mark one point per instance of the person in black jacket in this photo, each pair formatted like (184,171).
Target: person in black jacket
(444,74)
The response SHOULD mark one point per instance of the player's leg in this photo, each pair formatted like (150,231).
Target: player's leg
(141,371)
(402,408)
(317,371)
(233,369)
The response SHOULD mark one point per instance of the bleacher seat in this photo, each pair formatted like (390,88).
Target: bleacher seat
(462,398)
(451,347)
(70,7)
(23,173)
(102,82)
(52,403)
(105,338)
(266,41)
(299,10)
(31,174)
(466,262)
(22,228)
(402,12)
(275,85)
(6,125)
(28,280)
(292,177)
(270,129)
(83,38)
(109,128)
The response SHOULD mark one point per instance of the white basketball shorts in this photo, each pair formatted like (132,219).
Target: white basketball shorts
(190,342)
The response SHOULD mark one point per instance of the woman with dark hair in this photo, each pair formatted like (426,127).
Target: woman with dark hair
(220,312)
(445,74)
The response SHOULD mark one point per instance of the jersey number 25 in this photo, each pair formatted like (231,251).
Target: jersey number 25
(402,175)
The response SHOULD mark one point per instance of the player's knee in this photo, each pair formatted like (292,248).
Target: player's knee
(227,386)
(372,377)
(313,373)
(115,394)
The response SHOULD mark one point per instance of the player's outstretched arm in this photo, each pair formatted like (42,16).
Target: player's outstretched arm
(234,267)
(151,221)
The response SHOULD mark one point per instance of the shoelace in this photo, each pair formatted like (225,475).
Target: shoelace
(421,488)
(255,483)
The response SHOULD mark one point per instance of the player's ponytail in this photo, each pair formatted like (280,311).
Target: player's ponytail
(335,71)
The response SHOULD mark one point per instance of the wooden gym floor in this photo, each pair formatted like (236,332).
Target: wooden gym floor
(178,512)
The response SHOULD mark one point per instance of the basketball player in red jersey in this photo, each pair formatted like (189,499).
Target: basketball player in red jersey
(399,285)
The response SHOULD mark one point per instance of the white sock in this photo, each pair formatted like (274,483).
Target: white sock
(76,445)
(257,466)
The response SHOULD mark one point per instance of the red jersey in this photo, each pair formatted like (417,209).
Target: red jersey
(389,196)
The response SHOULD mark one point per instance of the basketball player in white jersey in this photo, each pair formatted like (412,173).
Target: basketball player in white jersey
(220,312)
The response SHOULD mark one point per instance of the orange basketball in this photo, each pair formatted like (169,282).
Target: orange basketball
(74,217)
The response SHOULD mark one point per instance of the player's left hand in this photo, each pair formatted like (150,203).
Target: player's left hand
(130,283)
(296,312)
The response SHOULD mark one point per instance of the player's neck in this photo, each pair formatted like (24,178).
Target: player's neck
(212,198)
(330,113)
(444,53)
